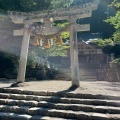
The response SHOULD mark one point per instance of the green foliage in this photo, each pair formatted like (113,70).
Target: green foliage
(8,65)
(102,43)
(115,21)
(61,3)
(63,35)
(57,50)
(33,5)
(116,37)
(115,3)
(117,60)
(112,45)
(54,50)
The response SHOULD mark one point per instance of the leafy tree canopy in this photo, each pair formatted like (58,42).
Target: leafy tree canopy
(33,5)
(112,45)
(115,21)
(102,43)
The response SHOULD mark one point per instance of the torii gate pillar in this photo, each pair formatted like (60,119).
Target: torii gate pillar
(24,54)
(74,54)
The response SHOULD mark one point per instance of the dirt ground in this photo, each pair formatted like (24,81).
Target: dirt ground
(94,87)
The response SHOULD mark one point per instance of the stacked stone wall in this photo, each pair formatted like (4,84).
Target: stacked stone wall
(111,74)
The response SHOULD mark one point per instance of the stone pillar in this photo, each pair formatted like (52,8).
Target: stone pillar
(24,54)
(74,54)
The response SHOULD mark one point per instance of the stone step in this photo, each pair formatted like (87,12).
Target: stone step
(25,114)
(22,100)
(63,76)
(57,105)
(88,79)
(15,116)
(80,107)
(88,76)
(7,92)
(86,72)
(62,106)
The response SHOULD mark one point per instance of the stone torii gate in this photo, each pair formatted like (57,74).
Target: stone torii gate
(70,14)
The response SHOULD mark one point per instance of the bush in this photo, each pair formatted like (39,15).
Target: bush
(8,65)
(117,60)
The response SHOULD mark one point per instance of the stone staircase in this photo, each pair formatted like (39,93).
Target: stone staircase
(88,75)
(63,74)
(88,71)
(18,104)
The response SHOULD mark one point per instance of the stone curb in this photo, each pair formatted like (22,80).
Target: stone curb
(60,94)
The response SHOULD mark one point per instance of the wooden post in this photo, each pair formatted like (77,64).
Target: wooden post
(74,54)
(24,54)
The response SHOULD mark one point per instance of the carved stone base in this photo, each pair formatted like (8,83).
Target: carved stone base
(19,84)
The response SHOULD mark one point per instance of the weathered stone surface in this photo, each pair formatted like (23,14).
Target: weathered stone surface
(22,109)
(114,116)
(45,104)
(53,99)
(101,109)
(99,116)
(50,93)
(3,101)
(31,103)
(27,92)
(33,111)
(4,95)
(113,110)
(86,108)
(22,102)
(80,95)
(37,98)
(23,117)
(61,106)
(45,118)
(41,98)
(7,109)
(112,97)
(83,116)
(98,102)
(29,97)
(7,90)
(113,103)
(18,96)
(57,113)
(49,105)
(41,93)
(64,100)
(16,91)
(13,96)
(12,102)
(61,94)
(40,118)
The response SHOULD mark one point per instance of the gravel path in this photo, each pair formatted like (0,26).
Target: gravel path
(95,87)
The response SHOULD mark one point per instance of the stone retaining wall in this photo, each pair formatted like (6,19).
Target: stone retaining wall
(111,74)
